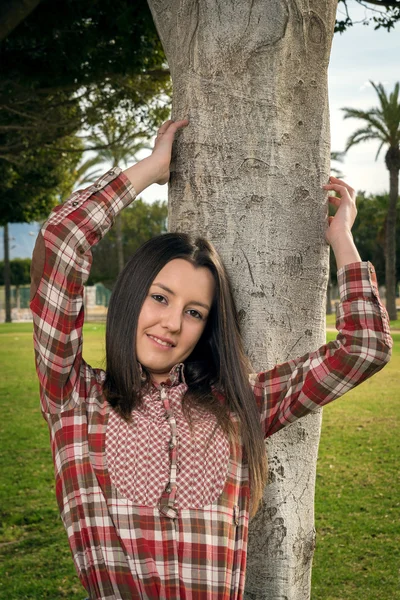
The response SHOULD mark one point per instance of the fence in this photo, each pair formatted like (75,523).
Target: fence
(97,298)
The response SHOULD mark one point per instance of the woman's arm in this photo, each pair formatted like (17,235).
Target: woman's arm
(363,345)
(61,264)
(338,233)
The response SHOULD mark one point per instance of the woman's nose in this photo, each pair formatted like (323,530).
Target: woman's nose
(172,319)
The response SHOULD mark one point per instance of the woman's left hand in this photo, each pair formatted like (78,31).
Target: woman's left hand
(339,226)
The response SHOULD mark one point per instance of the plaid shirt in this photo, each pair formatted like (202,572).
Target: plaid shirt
(153,509)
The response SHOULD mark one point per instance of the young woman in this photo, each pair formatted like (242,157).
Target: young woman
(160,460)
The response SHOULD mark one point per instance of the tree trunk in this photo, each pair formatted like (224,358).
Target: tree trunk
(390,244)
(247,173)
(7,275)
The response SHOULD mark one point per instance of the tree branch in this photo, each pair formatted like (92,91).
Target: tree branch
(382,3)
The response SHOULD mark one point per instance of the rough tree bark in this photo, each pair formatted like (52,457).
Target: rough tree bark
(247,173)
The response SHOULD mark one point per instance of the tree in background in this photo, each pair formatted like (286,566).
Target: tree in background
(139,223)
(85,59)
(379,13)
(61,71)
(120,138)
(382,123)
(369,234)
(19,270)
(29,189)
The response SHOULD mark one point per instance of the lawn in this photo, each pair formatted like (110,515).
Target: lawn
(357,498)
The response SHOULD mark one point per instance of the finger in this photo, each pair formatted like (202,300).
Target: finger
(172,127)
(335,180)
(334,200)
(164,126)
(341,189)
(175,125)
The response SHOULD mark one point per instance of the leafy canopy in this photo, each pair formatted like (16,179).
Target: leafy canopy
(62,70)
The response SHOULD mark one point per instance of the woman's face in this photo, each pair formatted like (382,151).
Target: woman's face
(173,316)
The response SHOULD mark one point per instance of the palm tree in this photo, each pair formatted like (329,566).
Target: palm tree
(117,140)
(382,123)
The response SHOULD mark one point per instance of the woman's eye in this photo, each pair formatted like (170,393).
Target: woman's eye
(158,298)
(195,314)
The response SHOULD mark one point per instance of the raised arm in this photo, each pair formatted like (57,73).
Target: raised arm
(61,264)
(362,347)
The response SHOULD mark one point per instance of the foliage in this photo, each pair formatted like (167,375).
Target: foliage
(20,271)
(337,157)
(379,13)
(85,59)
(140,222)
(119,138)
(382,123)
(369,233)
(29,189)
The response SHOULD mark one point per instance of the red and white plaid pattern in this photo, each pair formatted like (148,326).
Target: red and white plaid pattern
(159,448)
(153,509)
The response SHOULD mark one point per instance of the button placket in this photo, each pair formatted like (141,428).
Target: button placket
(170,489)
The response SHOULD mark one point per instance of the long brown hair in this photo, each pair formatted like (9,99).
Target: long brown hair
(217,366)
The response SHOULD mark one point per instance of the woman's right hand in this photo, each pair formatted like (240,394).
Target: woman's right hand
(163,148)
(155,168)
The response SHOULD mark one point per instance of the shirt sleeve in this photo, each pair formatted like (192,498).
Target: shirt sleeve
(60,266)
(362,347)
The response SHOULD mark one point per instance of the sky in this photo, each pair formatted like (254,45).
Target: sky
(358,56)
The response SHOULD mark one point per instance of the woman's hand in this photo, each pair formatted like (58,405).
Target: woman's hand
(163,148)
(155,168)
(338,233)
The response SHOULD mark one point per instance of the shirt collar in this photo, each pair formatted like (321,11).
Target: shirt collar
(175,376)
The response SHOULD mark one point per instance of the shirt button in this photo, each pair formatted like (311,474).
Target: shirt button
(74,203)
(171,445)
(168,489)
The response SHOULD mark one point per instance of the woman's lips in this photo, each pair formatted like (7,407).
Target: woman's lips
(160,343)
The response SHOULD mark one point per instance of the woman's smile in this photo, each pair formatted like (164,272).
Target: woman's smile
(162,343)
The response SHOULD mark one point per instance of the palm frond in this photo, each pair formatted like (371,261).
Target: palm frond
(374,118)
(379,150)
(362,135)
(337,155)
(354,113)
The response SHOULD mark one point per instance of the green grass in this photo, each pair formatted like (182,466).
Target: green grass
(358,492)
(357,499)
